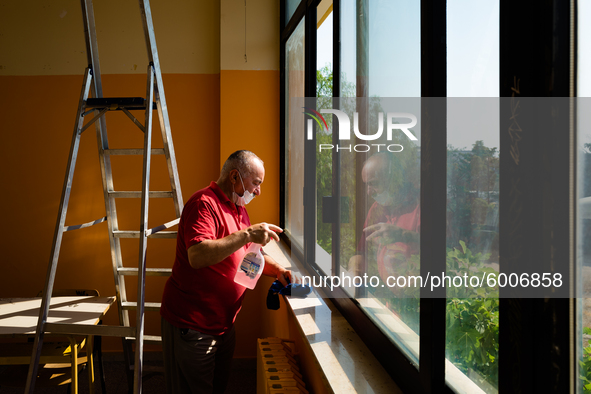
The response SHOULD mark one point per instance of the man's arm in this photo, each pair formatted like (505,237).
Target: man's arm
(212,251)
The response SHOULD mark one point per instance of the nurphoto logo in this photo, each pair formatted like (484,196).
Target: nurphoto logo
(345,130)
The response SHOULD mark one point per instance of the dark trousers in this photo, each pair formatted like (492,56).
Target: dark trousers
(196,363)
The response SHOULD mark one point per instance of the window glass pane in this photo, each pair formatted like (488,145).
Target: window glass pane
(379,186)
(472,323)
(347,162)
(348,49)
(290,8)
(584,51)
(394,43)
(324,87)
(294,141)
(584,190)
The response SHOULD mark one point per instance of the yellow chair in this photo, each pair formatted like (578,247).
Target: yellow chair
(55,363)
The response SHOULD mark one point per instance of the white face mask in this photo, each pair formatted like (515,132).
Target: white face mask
(384,198)
(245,198)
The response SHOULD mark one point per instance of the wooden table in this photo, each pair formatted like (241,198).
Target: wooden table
(19,316)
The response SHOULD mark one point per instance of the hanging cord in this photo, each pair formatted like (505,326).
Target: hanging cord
(245,58)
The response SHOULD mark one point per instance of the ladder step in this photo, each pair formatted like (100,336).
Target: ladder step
(148,306)
(149,271)
(135,151)
(138,194)
(154,339)
(136,234)
(117,103)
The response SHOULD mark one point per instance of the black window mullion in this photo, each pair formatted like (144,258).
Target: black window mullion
(336,156)
(310,145)
(536,225)
(282,117)
(433,192)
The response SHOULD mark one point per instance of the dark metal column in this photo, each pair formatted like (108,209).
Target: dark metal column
(536,225)
(336,156)
(310,145)
(433,191)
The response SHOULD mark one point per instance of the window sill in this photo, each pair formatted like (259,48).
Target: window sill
(345,361)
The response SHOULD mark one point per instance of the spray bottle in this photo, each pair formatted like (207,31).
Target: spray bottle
(251,267)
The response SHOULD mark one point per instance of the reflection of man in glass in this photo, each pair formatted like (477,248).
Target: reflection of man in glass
(391,229)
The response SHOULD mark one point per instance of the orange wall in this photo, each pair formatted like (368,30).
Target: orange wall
(249,119)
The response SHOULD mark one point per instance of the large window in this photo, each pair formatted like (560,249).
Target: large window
(476,193)
(374,186)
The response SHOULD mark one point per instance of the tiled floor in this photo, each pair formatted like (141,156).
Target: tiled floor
(243,377)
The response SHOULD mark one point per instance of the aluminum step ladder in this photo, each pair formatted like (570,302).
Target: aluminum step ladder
(99,106)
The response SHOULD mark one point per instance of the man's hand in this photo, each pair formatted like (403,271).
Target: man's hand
(262,233)
(284,276)
(384,233)
(356,264)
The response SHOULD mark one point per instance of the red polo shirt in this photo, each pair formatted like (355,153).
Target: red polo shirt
(205,299)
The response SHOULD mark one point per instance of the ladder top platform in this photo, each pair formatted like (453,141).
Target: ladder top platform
(118,102)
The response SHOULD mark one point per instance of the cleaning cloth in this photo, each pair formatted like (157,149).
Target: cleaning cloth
(292,289)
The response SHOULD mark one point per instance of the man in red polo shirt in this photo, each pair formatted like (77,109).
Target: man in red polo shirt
(201,300)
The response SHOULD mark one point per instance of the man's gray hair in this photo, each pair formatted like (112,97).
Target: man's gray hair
(240,160)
